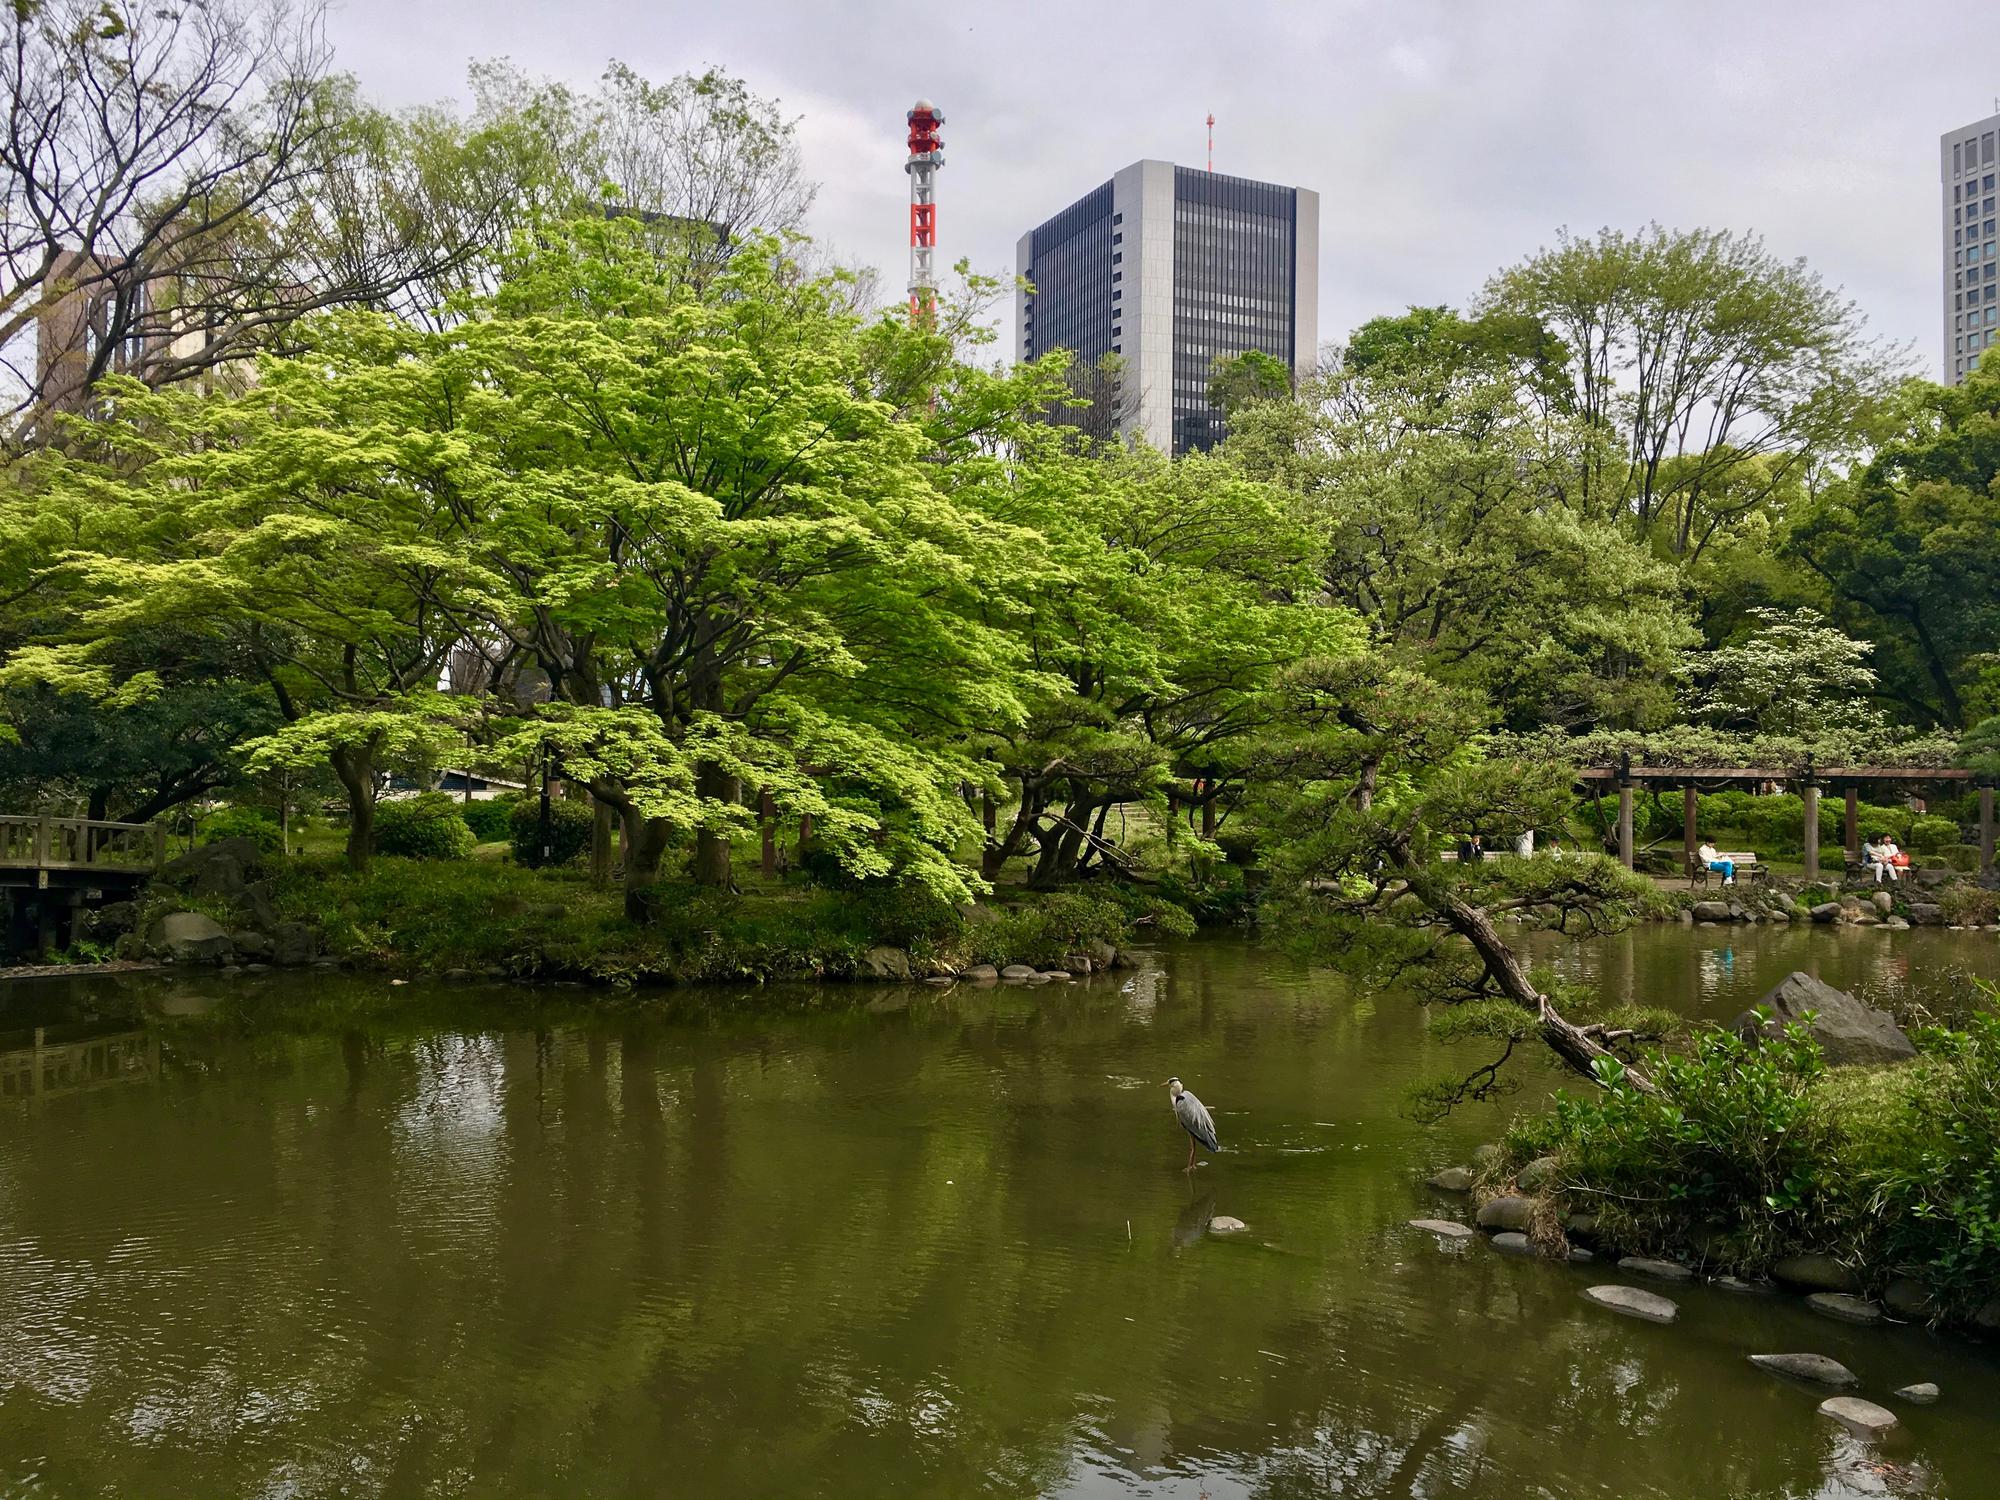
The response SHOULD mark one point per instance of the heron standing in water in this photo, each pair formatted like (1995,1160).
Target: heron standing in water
(1193,1115)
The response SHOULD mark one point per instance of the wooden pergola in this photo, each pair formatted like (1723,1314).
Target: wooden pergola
(1693,780)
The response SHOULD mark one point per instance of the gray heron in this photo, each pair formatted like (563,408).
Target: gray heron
(1193,1115)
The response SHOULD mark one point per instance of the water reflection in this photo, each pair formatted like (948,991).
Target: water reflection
(933,1248)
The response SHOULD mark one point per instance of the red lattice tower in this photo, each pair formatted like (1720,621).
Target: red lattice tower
(926,156)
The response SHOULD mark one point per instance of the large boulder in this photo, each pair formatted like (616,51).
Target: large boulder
(1713,911)
(1814,1272)
(293,945)
(1826,911)
(884,963)
(218,869)
(1926,914)
(1847,1030)
(189,937)
(1505,1212)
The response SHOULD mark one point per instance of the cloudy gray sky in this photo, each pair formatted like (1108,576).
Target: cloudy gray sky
(1445,139)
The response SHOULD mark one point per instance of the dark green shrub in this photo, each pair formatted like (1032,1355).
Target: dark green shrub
(488,820)
(570,825)
(243,823)
(1969,906)
(1930,1165)
(426,826)
(1932,835)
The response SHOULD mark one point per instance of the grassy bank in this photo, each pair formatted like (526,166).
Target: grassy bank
(492,917)
(1753,1153)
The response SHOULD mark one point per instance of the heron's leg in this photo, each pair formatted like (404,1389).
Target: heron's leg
(1190,1165)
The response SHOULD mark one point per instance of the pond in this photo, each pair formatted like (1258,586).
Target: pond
(866,1243)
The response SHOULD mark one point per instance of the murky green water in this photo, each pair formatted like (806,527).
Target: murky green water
(927,1245)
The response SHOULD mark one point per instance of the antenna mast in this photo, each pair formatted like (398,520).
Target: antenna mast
(1211,140)
(926,156)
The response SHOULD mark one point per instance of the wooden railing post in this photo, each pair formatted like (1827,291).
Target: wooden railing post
(42,842)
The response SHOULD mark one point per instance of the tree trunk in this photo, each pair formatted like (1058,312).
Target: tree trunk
(100,803)
(600,843)
(996,854)
(711,851)
(645,845)
(1577,1049)
(355,766)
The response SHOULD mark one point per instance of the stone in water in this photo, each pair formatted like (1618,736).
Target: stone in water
(1634,1303)
(1446,1228)
(1922,1394)
(1659,1270)
(1223,1224)
(1864,1417)
(1808,1367)
(1844,1307)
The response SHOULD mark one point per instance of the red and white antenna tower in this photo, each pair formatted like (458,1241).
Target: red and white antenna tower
(926,156)
(1211,141)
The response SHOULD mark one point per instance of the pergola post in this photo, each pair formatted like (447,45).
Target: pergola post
(1690,818)
(1853,824)
(1625,850)
(1986,829)
(1811,799)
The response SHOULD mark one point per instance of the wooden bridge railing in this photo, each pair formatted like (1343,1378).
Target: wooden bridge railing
(80,844)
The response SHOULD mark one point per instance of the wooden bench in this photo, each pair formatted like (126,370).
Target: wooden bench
(1745,861)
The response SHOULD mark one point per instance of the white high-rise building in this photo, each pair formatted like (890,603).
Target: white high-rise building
(1966,168)
(1170,268)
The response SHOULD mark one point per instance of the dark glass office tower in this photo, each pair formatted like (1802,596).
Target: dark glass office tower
(1170,268)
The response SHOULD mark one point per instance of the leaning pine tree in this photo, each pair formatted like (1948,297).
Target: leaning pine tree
(1383,776)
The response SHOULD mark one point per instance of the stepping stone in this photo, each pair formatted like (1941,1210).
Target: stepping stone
(1848,1309)
(1921,1394)
(1223,1224)
(1634,1303)
(1808,1367)
(1513,1242)
(1579,1256)
(1737,1284)
(1453,1180)
(1448,1229)
(1864,1417)
(1659,1270)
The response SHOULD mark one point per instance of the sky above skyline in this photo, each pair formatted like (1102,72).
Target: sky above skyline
(1446,140)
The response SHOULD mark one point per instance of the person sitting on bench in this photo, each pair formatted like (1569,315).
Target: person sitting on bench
(1707,855)
(1877,855)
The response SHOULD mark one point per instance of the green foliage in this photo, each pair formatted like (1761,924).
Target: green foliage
(1772,825)
(490,819)
(1969,905)
(569,831)
(1930,1164)
(252,823)
(1909,550)
(1932,835)
(1795,675)
(1735,1141)
(426,826)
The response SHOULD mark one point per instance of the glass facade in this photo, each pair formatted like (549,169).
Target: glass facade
(1972,296)
(1234,243)
(1070,263)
